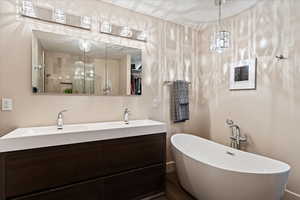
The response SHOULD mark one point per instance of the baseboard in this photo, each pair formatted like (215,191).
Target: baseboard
(289,195)
(170,167)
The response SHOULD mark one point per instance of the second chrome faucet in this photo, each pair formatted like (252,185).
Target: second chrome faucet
(126,116)
(60,120)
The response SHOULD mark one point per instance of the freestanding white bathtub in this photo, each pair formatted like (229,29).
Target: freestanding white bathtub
(211,171)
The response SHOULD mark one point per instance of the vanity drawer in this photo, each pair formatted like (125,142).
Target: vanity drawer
(134,184)
(131,153)
(39,169)
(91,190)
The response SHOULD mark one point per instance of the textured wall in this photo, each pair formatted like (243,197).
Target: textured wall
(172,52)
(269,115)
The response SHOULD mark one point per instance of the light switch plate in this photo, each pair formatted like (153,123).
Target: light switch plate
(7,104)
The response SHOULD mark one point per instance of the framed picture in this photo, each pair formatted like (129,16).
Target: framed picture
(243,75)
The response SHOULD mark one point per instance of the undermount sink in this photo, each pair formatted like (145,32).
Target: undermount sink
(36,137)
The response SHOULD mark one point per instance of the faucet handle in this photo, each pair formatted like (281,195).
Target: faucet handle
(61,112)
(229,122)
(243,138)
(233,138)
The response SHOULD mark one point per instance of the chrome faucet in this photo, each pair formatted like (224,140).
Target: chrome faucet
(236,137)
(60,120)
(126,116)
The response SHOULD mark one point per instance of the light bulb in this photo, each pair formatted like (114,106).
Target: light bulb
(59,15)
(142,36)
(84,45)
(126,32)
(106,27)
(86,22)
(27,8)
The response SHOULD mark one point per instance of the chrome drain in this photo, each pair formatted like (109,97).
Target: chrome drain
(230,153)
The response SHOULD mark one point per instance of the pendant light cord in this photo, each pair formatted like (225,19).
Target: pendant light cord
(220,13)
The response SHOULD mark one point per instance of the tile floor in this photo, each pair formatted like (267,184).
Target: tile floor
(173,190)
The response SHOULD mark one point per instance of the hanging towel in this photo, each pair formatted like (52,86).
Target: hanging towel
(180,101)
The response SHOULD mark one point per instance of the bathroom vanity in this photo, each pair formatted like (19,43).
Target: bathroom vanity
(101,161)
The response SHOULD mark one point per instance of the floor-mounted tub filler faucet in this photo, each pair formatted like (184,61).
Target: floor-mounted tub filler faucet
(126,116)
(60,120)
(236,138)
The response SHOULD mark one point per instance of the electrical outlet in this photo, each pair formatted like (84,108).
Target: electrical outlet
(7,104)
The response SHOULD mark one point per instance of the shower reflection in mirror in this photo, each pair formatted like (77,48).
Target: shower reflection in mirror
(67,65)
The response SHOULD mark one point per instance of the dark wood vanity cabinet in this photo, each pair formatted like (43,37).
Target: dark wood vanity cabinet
(89,190)
(36,170)
(117,169)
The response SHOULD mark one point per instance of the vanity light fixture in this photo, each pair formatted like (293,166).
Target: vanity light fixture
(30,10)
(86,22)
(126,32)
(27,8)
(220,40)
(105,27)
(122,31)
(59,15)
(142,36)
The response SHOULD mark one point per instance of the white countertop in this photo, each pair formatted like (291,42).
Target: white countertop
(37,137)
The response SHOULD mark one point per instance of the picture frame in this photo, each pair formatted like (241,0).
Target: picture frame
(243,75)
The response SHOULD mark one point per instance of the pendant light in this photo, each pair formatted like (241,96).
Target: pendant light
(220,40)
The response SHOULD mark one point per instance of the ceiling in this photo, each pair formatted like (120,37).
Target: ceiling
(189,12)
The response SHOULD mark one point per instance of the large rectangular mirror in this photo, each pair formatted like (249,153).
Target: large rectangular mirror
(67,65)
